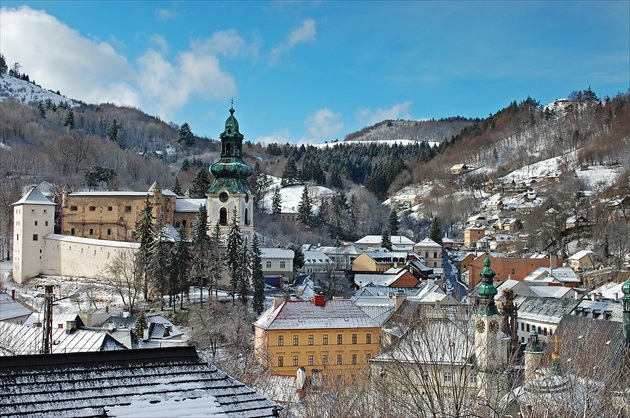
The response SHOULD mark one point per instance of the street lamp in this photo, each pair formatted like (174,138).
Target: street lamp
(49,299)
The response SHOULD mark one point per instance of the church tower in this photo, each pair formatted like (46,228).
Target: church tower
(489,351)
(33,219)
(625,288)
(230,194)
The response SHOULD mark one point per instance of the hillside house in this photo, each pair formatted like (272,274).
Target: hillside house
(431,251)
(510,268)
(378,261)
(582,260)
(277,262)
(549,276)
(459,168)
(473,234)
(327,338)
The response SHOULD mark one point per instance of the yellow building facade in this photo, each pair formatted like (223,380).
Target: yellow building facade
(330,338)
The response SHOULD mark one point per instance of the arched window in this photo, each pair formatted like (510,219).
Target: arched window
(246,216)
(223,217)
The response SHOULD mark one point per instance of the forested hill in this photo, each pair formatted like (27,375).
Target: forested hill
(414,130)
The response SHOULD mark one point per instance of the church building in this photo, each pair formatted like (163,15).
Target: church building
(101,224)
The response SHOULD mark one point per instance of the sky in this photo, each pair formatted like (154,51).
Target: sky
(311,72)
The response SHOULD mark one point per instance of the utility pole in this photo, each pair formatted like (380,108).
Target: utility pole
(48,304)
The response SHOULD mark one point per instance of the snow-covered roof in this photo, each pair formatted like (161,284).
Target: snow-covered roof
(427,243)
(557,275)
(22,340)
(581,254)
(547,310)
(34,197)
(306,315)
(164,382)
(377,239)
(276,253)
(10,308)
(316,257)
(91,241)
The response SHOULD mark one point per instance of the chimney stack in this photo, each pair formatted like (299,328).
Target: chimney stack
(13,294)
(277,301)
(553,261)
(319,300)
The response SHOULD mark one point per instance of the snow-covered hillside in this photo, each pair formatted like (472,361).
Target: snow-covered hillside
(29,93)
(389,142)
(292,195)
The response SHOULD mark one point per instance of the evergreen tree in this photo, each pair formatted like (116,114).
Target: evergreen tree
(335,179)
(244,273)
(159,261)
(3,65)
(262,182)
(216,259)
(179,270)
(323,213)
(258,277)
(353,208)
(186,137)
(114,133)
(201,184)
(42,109)
(141,324)
(177,188)
(233,254)
(69,123)
(394,222)
(298,256)
(144,235)
(338,207)
(386,239)
(305,209)
(436,233)
(290,174)
(276,202)
(201,251)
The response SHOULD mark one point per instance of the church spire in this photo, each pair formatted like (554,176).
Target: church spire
(486,290)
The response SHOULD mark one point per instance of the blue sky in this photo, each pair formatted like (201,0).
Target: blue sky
(316,71)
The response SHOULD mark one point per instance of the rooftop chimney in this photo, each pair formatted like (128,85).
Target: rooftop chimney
(319,300)
(277,301)
(553,261)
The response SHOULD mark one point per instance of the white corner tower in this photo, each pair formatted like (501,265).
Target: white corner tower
(33,219)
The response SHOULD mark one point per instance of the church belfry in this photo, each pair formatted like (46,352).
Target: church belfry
(230,192)
(490,353)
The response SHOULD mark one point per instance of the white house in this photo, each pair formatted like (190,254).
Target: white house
(431,251)
(277,262)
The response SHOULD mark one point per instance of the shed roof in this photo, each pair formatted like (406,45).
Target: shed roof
(10,308)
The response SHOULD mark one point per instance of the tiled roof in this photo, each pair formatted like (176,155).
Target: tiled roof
(305,315)
(147,382)
(547,310)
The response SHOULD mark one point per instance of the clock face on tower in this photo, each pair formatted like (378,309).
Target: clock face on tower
(481,326)
(494,326)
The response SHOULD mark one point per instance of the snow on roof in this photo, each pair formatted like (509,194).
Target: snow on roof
(548,275)
(34,197)
(185,204)
(276,253)
(609,291)
(548,310)
(306,315)
(92,241)
(316,257)
(581,254)
(21,340)
(428,243)
(377,239)
(10,308)
(126,383)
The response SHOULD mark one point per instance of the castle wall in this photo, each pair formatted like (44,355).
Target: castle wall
(81,257)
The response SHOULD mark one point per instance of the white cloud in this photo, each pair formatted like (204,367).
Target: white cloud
(397,111)
(277,137)
(60,58)
(163,14)
(324,124)
(306,32)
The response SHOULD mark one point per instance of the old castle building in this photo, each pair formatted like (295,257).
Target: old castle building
(101,224)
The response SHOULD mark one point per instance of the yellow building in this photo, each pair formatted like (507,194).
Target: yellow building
(378,261)
(328,338)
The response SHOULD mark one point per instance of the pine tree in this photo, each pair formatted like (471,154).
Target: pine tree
(144,235)
(216,259)
(337,210)
(201,184)
(159,261)
(179,270)
(186,137)
(276,202)
(233,254)
(386,239)
(258,278)
(298,256)
(353,208)
(394,222)
(290,174)
(436,233)
(244,273)
(177,188)
(69,123)
(201,251)
(305,209)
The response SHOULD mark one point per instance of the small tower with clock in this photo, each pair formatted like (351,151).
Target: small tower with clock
(490,353)
(230,194)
